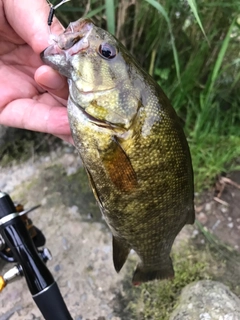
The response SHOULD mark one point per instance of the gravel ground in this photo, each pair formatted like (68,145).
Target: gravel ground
(219,209)
(82,255)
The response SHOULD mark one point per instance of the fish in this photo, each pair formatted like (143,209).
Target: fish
(131,143)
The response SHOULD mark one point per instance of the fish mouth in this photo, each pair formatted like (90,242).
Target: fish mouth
(56,49)
(73,40)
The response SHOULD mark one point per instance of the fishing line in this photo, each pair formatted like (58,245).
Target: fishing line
(51,13)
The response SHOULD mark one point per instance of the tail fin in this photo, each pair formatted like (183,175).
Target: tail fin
(145,274)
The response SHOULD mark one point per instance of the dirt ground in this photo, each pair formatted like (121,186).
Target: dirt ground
(219,209)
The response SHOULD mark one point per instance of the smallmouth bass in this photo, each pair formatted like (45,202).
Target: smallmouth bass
(131,143)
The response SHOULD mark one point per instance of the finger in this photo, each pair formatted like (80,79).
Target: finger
(52,81)
(66,138)
(29,19)
(37,116)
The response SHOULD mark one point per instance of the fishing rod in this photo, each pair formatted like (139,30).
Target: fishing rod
(19,242)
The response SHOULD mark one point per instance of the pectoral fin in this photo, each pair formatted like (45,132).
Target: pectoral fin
(94,189)
(120,253)
(119,168)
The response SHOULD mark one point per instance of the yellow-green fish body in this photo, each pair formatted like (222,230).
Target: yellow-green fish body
(131,143)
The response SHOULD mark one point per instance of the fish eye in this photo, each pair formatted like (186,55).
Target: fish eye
(107,51)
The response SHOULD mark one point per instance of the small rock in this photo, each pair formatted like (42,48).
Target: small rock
(224,209)
(43,201)
(71,170)
(205,316)
(202,217)
(216,224)
(230,225)
(208,206)
(207,300)
(74,211)
(57,268)
(65,243)
(195,233)
(89,216)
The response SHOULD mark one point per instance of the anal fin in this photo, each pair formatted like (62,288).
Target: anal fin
(120,253)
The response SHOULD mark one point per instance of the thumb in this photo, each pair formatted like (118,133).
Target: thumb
(52,81)
(29,20)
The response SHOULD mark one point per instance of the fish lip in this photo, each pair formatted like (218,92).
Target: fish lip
(74,39)
(55,50)
(83,24)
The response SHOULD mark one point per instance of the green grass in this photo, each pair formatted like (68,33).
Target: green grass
(110,15)
(192,50)
(161,10)
(193,6)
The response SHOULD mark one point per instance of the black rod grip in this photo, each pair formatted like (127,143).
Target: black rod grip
(50,302)
(6,205)
(17,238)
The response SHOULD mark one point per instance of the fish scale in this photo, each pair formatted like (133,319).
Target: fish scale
(132,146)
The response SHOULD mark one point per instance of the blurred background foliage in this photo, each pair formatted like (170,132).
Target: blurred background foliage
(191,48)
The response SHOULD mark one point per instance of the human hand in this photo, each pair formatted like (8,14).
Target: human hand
(32,96)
